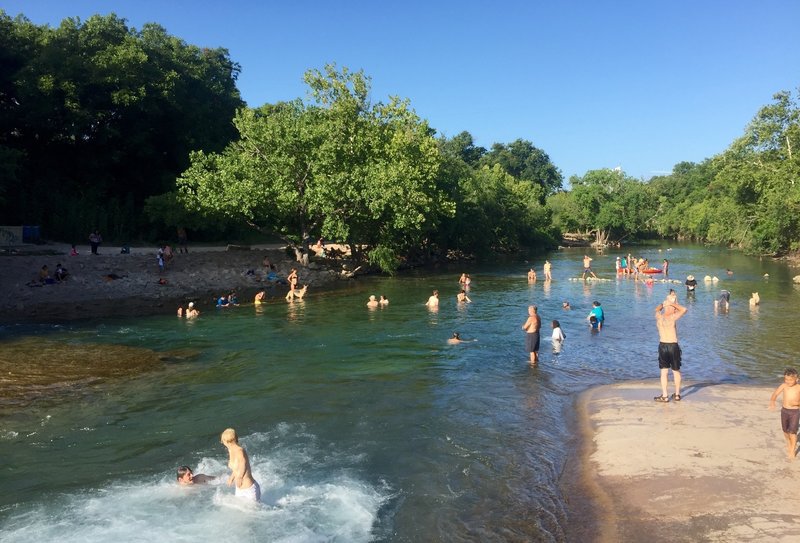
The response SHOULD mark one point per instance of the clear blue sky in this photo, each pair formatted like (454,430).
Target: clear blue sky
(637,84)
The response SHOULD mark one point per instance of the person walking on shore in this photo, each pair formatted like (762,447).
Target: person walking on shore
(532,326)
(790,409)
(669,352)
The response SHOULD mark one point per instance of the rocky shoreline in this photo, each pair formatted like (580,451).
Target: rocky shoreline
(112,284)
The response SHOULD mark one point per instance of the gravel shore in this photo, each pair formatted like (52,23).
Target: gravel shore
(115,284)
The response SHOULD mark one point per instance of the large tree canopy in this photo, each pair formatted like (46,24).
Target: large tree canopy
(523,161)
(607,203)
(96,116)
(338,166)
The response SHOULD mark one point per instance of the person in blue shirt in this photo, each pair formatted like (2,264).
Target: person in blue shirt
(597,313)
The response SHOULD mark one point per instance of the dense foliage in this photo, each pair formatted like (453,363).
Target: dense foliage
(99,120)
(746,197)
(369,174)
(96,116)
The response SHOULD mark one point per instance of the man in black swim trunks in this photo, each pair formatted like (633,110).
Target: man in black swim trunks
(669,352)
(532,326)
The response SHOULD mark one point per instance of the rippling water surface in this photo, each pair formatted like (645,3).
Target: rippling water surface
(361,425)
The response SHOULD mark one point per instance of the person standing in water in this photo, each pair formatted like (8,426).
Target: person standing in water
(558,336)
(532,326)
(547,268)
(669,352)
(587,267)
(246,487)
(433,300)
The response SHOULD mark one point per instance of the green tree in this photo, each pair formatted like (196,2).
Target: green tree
(522,160)
(98,116)
(610,203)
(341,166)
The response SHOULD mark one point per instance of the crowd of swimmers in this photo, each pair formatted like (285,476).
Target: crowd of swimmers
(669,360)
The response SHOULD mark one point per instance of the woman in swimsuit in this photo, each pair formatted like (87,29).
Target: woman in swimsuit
(246,486)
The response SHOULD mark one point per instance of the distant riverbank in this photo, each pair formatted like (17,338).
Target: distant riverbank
(115,284)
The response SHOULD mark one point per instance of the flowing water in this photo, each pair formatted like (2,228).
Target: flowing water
(361,425)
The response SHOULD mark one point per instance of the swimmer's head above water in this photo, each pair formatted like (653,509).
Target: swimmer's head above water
(185,475)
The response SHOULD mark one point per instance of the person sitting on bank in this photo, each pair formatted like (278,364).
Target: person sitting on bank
(187,477)
(61,272)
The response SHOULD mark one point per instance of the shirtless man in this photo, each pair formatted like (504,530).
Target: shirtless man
(372,301)
(186,477)
(587,266)
(669,353)
(547,267)
(462,297)
(790,409)
(246,487)
(531,275)
(532,326)
(433,301)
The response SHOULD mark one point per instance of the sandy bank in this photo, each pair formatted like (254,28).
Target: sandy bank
(199,276)
(712,467)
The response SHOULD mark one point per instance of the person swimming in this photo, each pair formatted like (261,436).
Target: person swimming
(187,477)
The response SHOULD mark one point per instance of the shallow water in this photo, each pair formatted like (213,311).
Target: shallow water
(362,425)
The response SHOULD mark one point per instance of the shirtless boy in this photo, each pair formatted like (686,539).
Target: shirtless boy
(790,409)
(587,266)
(669,352)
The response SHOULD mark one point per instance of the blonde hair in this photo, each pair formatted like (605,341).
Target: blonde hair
(229,436)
